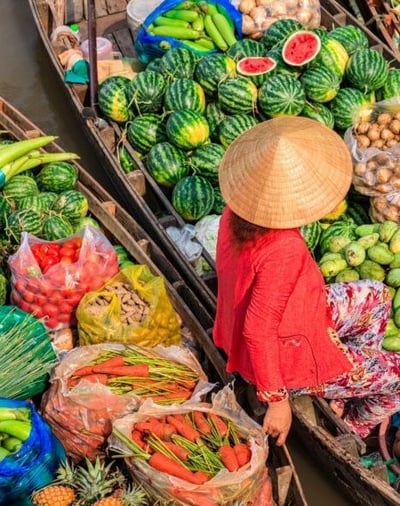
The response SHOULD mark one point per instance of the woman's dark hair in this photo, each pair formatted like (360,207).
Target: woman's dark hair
(243,231)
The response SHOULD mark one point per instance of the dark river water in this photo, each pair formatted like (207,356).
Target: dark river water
(27,81)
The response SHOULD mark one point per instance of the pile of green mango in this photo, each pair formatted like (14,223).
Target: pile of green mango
(374,254)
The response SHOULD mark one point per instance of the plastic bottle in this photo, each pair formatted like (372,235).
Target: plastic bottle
(104,49)
(75,30)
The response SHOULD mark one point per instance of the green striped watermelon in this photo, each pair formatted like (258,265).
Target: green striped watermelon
(367,70)
(114,98)
(233,126)
(281,96)
(351,37)
(391,88)
(187,129)
(71,204)
(184,93)
(213,69)
(126,160)
(244,48)
(357,212)
(237,95)
(311,234)
(282,67)
(57,177)
(20,186)
(24,220)
(48,199)
(333,56)
(219,201)
(347,107)
(320,84)
(5,210)
(205,160)
(56,227)
(214,116)
(279,31)
(145,131)
(167,164)
(193,197)
(86,220)
(33,202)
(338,228)
(147,91)
(318,112)
(178,62)
(154,65)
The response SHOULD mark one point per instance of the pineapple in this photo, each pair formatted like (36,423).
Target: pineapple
(135,496)
(61,492)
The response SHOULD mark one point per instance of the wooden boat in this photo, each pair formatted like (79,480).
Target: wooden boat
(122,229)
(142,197)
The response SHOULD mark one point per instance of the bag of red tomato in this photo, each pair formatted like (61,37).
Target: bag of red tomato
(49,278)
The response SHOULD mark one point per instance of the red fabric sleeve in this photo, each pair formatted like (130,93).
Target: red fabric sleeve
(276,274)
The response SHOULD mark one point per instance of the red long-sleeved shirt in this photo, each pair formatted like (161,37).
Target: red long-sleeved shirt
(272,318)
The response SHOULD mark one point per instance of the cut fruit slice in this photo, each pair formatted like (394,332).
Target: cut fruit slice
(255,65)
(300,48)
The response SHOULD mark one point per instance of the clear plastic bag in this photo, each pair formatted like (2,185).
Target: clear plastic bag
(102,314)
(225,487)
(34,465)
(54,294)
(374,143)
(259,15)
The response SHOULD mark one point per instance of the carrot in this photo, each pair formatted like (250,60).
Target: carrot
(166,465)
(202,477)
(95,378)
(178,395)
(137,438)
(84,371)
(125,370)
(116,361)
(243,453)
(228,457)
(184,428)
(179,451)
(72,382)
(201,422)
(162,430)
(219,424)
(193,498)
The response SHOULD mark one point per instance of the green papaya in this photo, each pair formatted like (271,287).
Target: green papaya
(371,270)
(354,253)
(394,244)
(332,267)
(380,254)
(393,278)
(367,229)
(367,241)
(396,261)
(347,275)
(391,343)
(387,230)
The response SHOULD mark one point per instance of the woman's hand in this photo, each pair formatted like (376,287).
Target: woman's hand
(277,420)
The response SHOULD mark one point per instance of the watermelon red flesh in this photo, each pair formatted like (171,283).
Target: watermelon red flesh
(255,65)
(301,48)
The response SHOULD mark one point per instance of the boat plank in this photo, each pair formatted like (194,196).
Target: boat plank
(116,6)
(73,11)
(124,43)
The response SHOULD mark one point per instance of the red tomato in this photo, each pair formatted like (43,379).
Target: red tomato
(33,284)
(40,299)
(28,296)
(75,298)
(64,318)
(94,258)
(56,279)
(20,285)
(15,298)
(75,243)
(37,310)
(50,310)
(66,261)
(52,323)
(48,262)
(46,288)
(67,251)
(25,306)
(65,307)
(56,298)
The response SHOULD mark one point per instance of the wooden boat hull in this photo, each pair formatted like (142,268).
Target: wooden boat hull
(119,226)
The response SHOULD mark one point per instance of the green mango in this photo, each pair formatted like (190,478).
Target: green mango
(396,317)
(371,270)
(332,267)
(394,244)
(380,254)
(393,278)
(391,343)
(337,243)
(396,299)
(367,229)
(367,241)
(331,256)
(354,253)
(347,275)
(395,262)
(391,329)
(387,230)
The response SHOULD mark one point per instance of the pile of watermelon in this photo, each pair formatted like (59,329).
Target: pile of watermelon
(183,111)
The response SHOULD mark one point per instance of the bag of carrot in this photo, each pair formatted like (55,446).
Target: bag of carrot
(92,385)
(132,307)
(197,453)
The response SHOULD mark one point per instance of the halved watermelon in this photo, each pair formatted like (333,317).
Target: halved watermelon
(301,47)
(255,65)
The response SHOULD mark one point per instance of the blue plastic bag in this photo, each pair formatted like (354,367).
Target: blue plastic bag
(34,465)
(148,46)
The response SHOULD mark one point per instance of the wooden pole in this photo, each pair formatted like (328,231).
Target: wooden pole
(93,81)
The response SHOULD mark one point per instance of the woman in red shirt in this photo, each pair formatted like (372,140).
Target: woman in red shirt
(281,327)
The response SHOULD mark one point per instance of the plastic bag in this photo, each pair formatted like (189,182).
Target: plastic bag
(81,415)
(132,307)
(34,465)
(225,487)
(183,238)
(150,46)
(137,11)
(55,294)
(259,15)
(375,146)
(206,232)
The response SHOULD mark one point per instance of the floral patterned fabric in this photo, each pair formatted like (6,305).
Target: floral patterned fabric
(370,392)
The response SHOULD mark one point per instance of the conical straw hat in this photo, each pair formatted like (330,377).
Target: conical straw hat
(285,172)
